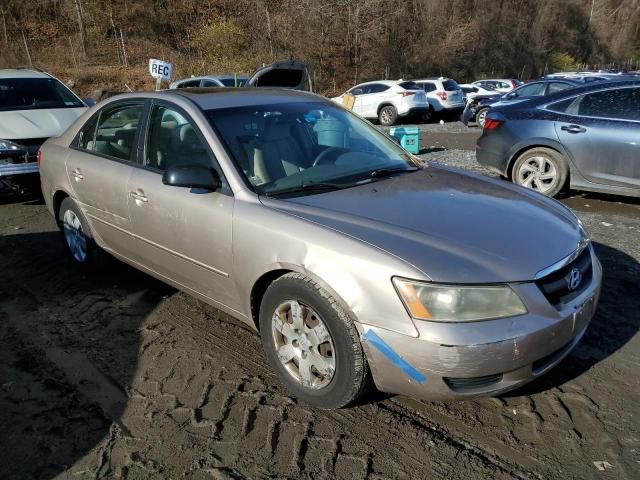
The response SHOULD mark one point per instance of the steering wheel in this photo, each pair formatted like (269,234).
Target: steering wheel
(322,158)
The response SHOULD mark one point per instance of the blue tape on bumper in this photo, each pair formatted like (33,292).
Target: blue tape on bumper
(374,339)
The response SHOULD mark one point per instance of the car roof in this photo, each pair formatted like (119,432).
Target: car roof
(23,73)
(390,83)
(230,97)
(432,79)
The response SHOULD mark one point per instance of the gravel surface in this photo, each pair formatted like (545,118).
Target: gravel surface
(115,375)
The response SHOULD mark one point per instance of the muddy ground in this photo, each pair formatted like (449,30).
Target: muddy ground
(115,375)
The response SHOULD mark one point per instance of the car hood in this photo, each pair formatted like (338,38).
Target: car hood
(453,226)
(23,124)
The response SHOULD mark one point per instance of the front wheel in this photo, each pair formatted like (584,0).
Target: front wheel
(388,115)
(311,343)
(481,116)
(541,169)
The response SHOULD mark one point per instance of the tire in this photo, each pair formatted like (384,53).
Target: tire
(541,169)
(481,116)
(388,115)
(330,388)
(77,237)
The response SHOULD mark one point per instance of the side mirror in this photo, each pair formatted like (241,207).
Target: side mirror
(192,176)
(511,95)
(89,102)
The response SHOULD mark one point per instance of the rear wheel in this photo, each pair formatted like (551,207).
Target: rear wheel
(541,169)
(481,116)
(312,343)
(388,115)
(77,236)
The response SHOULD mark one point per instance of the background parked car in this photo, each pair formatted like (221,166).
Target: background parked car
(33,107)
(589,135)
(388,100)
(470,91)
(501,84)
(444,94)
(210,81)
(476,110)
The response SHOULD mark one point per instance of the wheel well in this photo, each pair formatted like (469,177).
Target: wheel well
(523,150)
(258,291)
(58,198)
(386,104)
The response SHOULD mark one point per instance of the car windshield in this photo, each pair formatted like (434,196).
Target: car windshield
(35,93)
(287,146)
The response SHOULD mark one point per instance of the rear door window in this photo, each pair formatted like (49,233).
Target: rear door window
(114,133)
(558,87)
(623,103)
(428,86)
(376,88)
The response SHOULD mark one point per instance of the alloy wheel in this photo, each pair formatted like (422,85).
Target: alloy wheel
(538,173)
(303,344)
(74,236)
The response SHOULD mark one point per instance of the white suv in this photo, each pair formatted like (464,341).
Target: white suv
(444,94)
(33,107)
(387,101)
(503,85)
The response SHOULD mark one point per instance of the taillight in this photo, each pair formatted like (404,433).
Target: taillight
(406,93)
(39,156)
(442,95)
(492,124)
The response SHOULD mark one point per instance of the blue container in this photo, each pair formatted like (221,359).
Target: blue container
(409,138)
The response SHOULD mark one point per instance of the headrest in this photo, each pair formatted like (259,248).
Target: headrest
(278,131)
(188,134)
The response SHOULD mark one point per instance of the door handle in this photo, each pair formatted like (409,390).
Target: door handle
(140,197)
(77,174)
(573,128)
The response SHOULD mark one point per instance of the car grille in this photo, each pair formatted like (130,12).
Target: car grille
(468,385)
(556,285)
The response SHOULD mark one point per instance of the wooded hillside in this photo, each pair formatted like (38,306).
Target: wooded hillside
(107,43)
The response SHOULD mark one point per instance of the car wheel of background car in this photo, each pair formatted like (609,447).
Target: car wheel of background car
(541,169)
(481,116)
(312,343)
(77,236)
(388,115)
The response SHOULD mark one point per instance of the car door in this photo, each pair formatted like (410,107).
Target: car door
(601,133)
(375,94)
(102,159)
(182,234)
(358,104)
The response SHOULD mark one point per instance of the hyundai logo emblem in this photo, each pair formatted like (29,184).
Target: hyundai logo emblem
(575,277)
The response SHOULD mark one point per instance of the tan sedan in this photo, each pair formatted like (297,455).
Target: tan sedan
(354,260)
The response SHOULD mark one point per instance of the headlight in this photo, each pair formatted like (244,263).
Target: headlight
(9,147)
(451,303)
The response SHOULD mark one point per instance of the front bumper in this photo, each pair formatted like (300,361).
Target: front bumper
(466,360)
(11,169)
(468,115)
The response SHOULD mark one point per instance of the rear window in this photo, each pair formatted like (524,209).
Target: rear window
(410,86)
(35,94)
(621,103)
(451,85)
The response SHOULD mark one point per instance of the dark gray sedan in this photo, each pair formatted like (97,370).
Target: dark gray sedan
(587,137)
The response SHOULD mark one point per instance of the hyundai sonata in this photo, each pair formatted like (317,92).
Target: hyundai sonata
(354,260)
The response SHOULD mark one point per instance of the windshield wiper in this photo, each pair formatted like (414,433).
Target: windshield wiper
(384,172)
(308,187)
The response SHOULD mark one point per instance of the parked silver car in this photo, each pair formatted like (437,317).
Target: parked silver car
(352,258)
